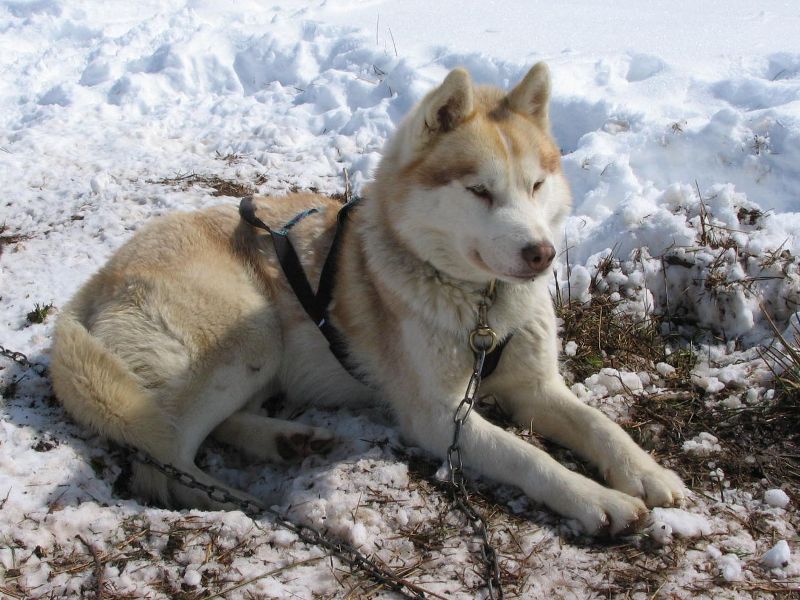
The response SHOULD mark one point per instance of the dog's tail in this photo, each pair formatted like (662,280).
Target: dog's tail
(100,392)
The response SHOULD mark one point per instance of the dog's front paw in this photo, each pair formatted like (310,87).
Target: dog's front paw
(649,481)
(603,511)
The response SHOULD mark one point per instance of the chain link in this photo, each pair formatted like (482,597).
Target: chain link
(458,483)
(18,357)
(482,340)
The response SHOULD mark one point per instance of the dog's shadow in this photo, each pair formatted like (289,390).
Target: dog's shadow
(62,464)
(65,464)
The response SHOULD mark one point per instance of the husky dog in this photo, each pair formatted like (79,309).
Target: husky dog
(192,323)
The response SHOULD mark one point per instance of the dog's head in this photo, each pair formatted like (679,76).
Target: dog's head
(472,180)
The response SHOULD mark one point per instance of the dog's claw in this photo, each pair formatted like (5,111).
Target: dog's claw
(612,514)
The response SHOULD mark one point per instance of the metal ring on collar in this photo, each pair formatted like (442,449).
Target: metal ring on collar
(483,339)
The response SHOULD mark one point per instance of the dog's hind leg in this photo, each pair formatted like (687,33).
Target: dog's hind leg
(150,482)
(274,440)
(223,393)
(210,406)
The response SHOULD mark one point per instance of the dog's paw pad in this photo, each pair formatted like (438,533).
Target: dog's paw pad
(298,445)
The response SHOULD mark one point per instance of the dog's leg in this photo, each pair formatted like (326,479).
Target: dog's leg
(530,387)
(224,392)
(150,482)
(426,418)
(275,440)
(554,412)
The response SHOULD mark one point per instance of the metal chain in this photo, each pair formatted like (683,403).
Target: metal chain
(349,554)
(482,340)
(18,357)
(305,533)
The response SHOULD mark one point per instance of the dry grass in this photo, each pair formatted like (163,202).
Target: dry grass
(238,189)
(783,359)
(220,186)
(231,158)
(609,336)
(10,239)
(141,545)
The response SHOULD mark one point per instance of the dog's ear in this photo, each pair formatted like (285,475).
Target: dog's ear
(450,103)
(532,94)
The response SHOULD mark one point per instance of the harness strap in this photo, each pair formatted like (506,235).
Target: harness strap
(328,276)
(316,305)
(287,257)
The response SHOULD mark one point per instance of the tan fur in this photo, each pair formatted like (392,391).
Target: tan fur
(192,321)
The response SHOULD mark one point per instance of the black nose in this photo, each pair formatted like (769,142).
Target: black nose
(538,256)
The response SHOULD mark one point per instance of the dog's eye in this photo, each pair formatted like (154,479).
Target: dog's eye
(537,185)
(482,192)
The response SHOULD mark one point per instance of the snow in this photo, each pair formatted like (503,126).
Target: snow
(612,381)
(683,523)
(777,498)
(703,444)
(685,127)
(730,567)
(192,578)
(664,369)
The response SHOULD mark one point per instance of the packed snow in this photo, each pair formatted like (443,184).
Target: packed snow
(680,131)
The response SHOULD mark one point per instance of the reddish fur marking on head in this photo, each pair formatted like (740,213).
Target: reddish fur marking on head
(550,157)
(437,175)
(493,123)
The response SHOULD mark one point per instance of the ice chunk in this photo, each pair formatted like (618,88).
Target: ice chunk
(703,444)
(777,498)
(777,556)
(684,524)
(191,577)
(664,369)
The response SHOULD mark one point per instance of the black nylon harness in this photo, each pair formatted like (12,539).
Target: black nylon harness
(316,305)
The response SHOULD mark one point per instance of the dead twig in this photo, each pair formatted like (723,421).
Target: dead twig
(98,568)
